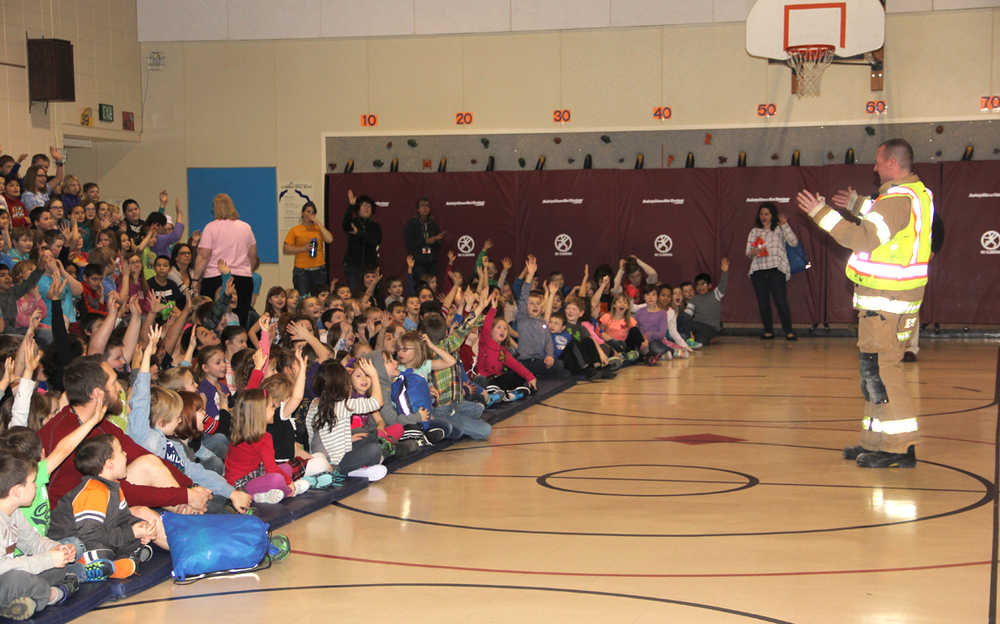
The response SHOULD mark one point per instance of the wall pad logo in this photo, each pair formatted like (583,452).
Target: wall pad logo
(662,245)
(466,245)
(563,244)
(990,240)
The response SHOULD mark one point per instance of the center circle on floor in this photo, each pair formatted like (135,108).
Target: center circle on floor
(647,480)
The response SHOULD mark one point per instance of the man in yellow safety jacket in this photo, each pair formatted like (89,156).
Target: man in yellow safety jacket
(891,240)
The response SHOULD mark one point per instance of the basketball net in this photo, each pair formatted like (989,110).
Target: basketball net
(809,62)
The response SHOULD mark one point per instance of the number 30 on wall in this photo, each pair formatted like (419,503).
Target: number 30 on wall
(561,115)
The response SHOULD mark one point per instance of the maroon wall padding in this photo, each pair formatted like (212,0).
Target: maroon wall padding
(581,205)
(741,192)
(670,220)
(697,215)
(965,276)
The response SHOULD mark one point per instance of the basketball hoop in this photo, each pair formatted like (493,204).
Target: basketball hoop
(809,62)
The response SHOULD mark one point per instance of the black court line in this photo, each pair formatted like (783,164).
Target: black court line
(737,422)
(582,592)
(726,395)
(808,485)
(989,495)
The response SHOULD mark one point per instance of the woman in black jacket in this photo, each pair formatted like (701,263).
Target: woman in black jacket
(363,239)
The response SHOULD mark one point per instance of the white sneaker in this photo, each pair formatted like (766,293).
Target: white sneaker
(271,497)
(372,473)
(300,486)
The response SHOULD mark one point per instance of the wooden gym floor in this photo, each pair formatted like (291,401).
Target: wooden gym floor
(705,490)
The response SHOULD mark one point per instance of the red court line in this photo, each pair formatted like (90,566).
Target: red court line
(719,423)
(626,575)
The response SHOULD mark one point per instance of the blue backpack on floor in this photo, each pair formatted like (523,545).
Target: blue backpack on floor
(212,544)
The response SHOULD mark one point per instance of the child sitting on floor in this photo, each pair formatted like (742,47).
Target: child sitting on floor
(97,513)
(38,578)
(250,463)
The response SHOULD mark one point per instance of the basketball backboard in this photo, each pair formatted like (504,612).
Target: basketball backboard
(853,27)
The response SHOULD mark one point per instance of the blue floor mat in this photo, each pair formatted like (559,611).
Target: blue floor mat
(90,596)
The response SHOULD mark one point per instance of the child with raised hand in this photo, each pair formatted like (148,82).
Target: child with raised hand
(38,578)
(97,513)
(705,307)
(155,414)
(285,396)
(328,422)
(250,462)
(497,369)
(535,347)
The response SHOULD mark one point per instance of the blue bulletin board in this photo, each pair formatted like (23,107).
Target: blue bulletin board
(255,194)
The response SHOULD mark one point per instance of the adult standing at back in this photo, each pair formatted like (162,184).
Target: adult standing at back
(363,239)
(307,241)
(890,237)
(229,239)
(422,237)
(769,268)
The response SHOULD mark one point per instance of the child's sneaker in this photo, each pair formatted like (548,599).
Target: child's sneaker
(669,355)
(514,395)
(631,356)
(124,568)
(300,486)
(338,478)
(495,397)
(652,359)
(280,547)
(270,496)
(69,585)
(694,344)
(97,567)
(142,554)
(372,473)
(18,609)
(320,481)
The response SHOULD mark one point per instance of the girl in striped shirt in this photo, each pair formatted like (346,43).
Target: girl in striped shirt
(328,423)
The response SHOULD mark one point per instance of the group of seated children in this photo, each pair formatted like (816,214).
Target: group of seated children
(135,409)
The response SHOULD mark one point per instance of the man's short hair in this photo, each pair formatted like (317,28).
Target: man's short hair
(81,377)
(88,186)
(93,453)
(901,151)
(394,305)
(703,277)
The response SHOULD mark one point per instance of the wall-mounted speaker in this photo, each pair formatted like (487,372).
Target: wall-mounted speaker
(50,71)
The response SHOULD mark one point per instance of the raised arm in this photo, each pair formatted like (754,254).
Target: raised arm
(651,276)
(99,338)
(595,300)
(444,359)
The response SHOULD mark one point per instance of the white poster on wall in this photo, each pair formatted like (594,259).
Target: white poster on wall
(291,198)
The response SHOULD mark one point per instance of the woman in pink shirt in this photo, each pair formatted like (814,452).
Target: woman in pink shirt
(232,241)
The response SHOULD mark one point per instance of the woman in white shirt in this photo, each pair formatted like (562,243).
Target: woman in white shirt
(769,268)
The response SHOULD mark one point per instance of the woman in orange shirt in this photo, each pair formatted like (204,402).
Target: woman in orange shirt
(307,242)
